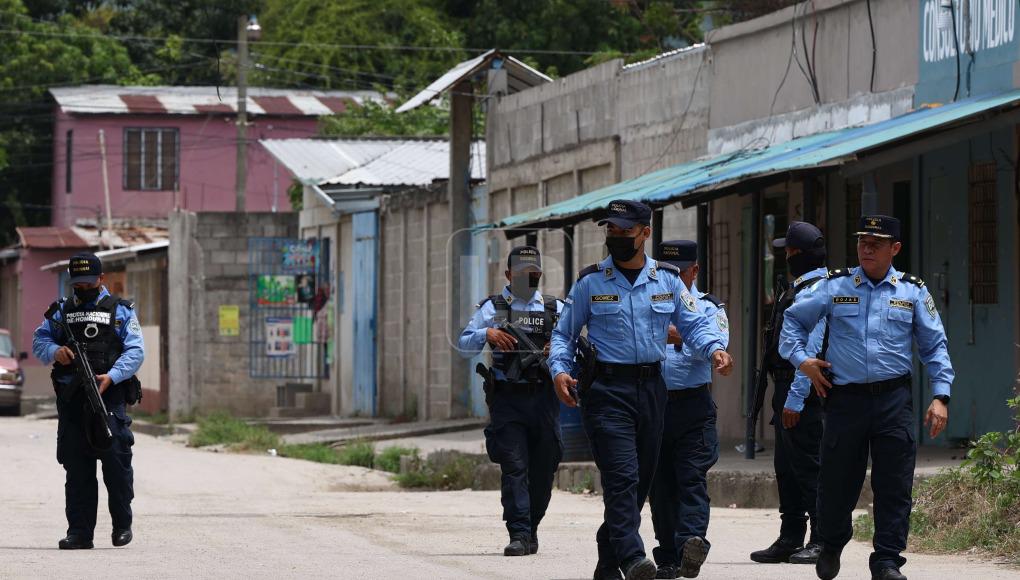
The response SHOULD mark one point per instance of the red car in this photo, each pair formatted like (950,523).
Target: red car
(11,376)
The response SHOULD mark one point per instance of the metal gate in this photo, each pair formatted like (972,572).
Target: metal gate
(289,284)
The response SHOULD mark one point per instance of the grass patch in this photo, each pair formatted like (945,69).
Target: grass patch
(586,486)
(864,528)
(222,429)
(360,453)
(441,471)
(159,418)
(389,458)
(316,452)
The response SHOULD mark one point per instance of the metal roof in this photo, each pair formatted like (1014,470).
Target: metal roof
(519,77)
(89,236)
(50,238)
(697,180)
(169,100)
(117,255)
(370,162)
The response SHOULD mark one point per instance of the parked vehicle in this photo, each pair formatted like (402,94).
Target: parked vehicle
(12,378)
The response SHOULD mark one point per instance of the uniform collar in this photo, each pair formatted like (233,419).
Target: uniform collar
(103,293)
(509,296)
(816,273)
(650,271)
(892,277)
(697,293)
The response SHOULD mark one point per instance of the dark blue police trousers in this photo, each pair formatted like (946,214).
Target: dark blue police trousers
(523,437)
(856,423)
(623,421)
(679,494)
(81,489)
(797,463)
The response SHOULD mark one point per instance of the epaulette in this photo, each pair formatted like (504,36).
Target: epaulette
(718,303)
(126,304)
(589,270)
(666,266)
(486,301)
(54,308)
(913,280)
(838,273)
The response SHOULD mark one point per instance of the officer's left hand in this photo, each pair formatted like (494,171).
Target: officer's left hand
(104,383)
(723,362)
(937,417)
(545,351)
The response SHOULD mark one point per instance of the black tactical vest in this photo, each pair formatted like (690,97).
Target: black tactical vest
(540,324)
(96,329)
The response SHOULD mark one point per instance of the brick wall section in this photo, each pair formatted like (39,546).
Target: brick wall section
(209,268)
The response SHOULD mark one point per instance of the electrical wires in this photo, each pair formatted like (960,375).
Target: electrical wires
(874,48)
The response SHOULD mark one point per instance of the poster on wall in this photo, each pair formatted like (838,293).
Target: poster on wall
(280,337)
(276,291)
(230,320)
(305,287)
(299,257)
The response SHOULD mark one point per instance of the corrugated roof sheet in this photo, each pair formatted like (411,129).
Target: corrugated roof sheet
(370,162)
(112,99)
(88,236)
(520,77)
(50,238)
(117,255)
(686,181)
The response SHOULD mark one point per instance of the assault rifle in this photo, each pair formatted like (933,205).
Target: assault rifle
(761,376)
(97,428)
(530,355)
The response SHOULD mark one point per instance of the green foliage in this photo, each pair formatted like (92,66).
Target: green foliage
(994,457)
(378,119)
(586,486)
(316,452)
(451,472)
(296,194)
(361,453)
(222,429)
(389,458)
(864,528)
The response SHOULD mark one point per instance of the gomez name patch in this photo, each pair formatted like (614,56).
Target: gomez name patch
(605,298)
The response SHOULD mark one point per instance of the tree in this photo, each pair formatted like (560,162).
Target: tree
(39,55)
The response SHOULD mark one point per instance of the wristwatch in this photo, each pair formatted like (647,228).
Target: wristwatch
(943,398)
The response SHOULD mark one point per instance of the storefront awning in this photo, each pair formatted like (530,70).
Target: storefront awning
(697,181)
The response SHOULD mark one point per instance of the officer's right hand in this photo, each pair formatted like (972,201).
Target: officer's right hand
(564,382)
(64,355)
(500,340)
(790,418)
(674,336)
(812,369)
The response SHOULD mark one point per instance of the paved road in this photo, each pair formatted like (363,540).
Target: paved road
(208,515)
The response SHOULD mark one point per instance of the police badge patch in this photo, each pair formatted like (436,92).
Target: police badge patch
(134,327)
(722,321)
(929,303)
(688,301)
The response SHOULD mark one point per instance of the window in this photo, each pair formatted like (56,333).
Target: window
(151,159)
(67,161)
(983,233)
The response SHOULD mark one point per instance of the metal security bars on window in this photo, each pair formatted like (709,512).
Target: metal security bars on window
(290,332)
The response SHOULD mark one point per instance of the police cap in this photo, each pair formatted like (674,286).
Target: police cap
(880,226)
(625,214)
(523,258)
(681,253)
(84,268)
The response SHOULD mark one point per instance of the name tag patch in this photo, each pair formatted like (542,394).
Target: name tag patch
(103,318)
(605,298)
(846,299)
(904,304)
(664,297)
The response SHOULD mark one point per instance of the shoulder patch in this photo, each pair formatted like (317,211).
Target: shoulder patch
(838,273)
(588,270)
(929,304)
(134,327)
(714,300)
(722,320)
(667,267)
(913,280)
(688,301)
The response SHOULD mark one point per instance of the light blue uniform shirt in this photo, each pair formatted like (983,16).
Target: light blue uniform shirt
(800,389)
(45,339)
(870,329)
(685,368)
(472,339)
(629,324)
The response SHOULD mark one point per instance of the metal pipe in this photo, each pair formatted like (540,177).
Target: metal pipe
(703,278)
(752,296)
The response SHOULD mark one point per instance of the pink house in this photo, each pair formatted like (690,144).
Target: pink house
(175,147)
(166,148)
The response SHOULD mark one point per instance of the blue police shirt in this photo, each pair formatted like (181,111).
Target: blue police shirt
(44,341)
(629,324)
(800,389)
(684,368)
(870,329)
(472,339)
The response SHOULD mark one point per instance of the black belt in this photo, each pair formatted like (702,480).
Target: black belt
(622,371)
(878,387)
(682,394)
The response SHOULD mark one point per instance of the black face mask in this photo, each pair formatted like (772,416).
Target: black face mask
(86,295)
(621,248)
(804,262)
(524,285)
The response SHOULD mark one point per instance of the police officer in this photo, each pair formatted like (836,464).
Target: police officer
(627,302)
(690,442)
(108,329)
(873,313)
(797,410)
(523,435)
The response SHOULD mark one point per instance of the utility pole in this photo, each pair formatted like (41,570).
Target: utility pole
(106,194)
(242,112)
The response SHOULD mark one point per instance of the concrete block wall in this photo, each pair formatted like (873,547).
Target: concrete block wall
(208,267)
